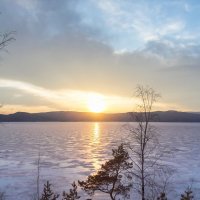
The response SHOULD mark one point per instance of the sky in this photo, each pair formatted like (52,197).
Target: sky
(68,52)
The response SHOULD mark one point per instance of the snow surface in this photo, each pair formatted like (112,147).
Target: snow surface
(71,151)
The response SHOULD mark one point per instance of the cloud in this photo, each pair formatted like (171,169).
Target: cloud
(28,97)
(106,47)
(64,65)
(142,21)
(57,100)
(175,53)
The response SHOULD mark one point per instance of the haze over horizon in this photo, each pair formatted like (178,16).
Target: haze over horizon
(70,54)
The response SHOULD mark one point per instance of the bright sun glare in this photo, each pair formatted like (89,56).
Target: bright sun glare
(96,103)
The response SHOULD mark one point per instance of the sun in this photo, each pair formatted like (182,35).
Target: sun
(96,103)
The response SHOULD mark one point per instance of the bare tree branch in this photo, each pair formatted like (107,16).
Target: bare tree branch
(145,148)
(6,38)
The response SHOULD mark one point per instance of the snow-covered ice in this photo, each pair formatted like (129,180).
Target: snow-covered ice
(71,151)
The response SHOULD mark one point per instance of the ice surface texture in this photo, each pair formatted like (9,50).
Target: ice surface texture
(71,151)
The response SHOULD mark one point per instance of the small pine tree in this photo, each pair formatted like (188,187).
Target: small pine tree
(162,196)
(48,194)
(187,195)
(73,194)
(108,178)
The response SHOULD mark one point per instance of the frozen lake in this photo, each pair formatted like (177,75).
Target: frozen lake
(71,151)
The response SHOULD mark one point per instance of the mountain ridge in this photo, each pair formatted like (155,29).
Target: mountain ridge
(74,116)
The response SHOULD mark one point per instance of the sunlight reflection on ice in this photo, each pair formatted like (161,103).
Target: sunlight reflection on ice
(96,133)
(95,140)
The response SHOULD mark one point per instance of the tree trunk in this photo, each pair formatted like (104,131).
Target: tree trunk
(112,196)
(143,197)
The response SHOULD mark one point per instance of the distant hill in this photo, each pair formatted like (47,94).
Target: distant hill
(70,116)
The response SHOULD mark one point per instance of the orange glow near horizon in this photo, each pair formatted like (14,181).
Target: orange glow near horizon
(96,103)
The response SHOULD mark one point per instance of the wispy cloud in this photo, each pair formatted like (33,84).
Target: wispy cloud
(67,99)
(133,23)
(29,88)
(70,99)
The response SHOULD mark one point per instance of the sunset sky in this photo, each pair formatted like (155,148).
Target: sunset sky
(68,53)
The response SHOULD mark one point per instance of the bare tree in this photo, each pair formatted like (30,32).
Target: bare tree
(6,38)
(145,148)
